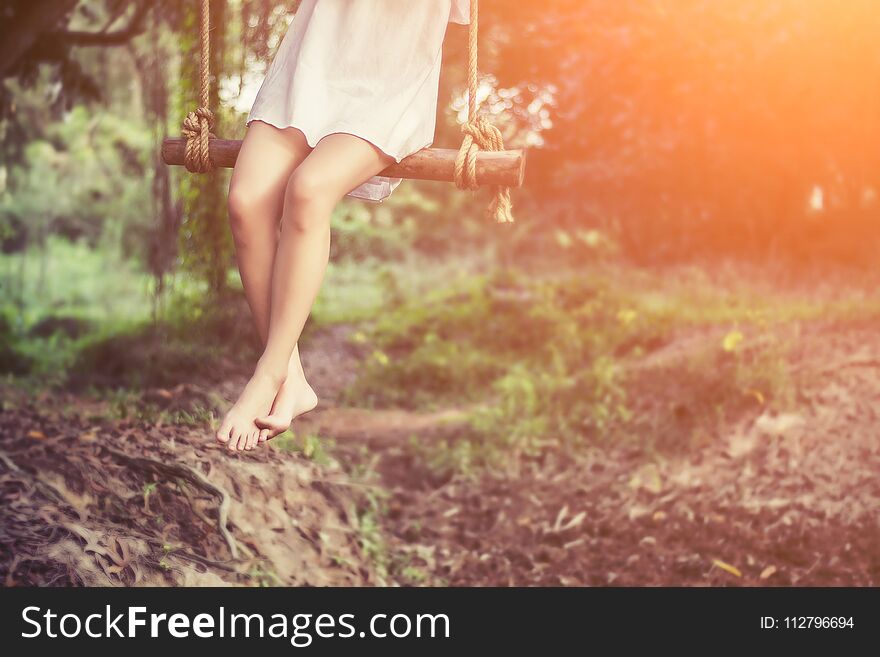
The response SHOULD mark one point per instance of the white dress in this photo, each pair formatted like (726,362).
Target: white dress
(370,68)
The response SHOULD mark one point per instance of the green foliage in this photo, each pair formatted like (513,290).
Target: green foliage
(12,360)
(83,179)
(533,356)
(310,445)
(200,339)
(61,315)
(57,298)
(363,232)
(370,534)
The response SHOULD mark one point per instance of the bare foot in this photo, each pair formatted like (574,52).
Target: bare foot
(294,398)
(238,430)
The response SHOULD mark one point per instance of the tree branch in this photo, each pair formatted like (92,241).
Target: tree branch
(103,38)
(22,33)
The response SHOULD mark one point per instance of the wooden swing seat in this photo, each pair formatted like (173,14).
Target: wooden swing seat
(504,168)
(481,160)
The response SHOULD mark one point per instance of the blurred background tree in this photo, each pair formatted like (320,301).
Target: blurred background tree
(675,129)
(701,126)
(660,132)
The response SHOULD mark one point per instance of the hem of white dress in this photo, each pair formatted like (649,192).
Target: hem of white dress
(312,139)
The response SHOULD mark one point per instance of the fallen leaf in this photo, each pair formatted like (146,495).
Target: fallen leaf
(637,511)
(560,517)
(648,478)
(573,544)
(768,572)
(733,570)
(627,316)
(757,395)
(575,522)
(731,341)
(780,424)
(36,435)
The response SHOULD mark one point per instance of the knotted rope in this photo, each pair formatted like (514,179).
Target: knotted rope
(198,126)
(479,134)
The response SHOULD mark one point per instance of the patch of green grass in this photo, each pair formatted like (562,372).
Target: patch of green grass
(536,351)
(543,359)
(351,292)
(72,279)
(311,446)
(128,404)
(199,416)
(263,574)
(70,299)
(54,298)
(688,296)
(360,291)
(370,534)
(414,575)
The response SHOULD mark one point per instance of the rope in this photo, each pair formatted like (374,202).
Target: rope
(479,134)
(198,126)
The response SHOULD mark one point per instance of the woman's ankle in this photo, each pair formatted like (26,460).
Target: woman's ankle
(271,372)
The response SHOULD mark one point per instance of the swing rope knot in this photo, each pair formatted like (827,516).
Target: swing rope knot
(198,126)
(198,130)
(481,135)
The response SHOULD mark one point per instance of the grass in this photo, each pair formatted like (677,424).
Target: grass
(355,292)
(83,297)
(95,286)
(311,446)
(547,358)
(87,298)
(541,355)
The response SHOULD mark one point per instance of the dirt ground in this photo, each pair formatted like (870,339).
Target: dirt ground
(761,498)
(767,498)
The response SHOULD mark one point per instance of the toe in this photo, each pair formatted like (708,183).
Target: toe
(264,436)
(223,432)
(242,441)
(252,439)
(273,423)
(234,436)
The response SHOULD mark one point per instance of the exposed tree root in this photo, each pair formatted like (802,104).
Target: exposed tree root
(176,470)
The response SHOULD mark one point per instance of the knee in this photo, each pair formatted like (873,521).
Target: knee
(241,205)
(311,199)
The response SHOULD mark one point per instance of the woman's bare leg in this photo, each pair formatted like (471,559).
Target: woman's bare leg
(268,157)
(338,163)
